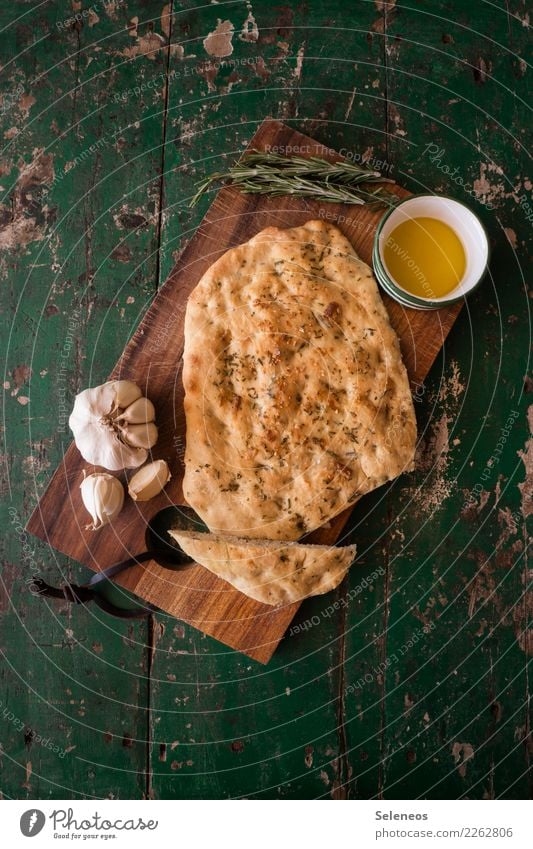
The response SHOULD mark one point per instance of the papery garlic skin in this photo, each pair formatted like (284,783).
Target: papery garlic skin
(113,425)
(149,481)
(103,496)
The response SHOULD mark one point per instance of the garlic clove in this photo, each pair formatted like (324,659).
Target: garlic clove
(103,496)
(126,392)
(142,410)
(149,481)
(140,435)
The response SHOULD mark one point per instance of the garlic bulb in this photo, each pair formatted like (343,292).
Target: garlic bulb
(113,425)
(149,480)
(103,496)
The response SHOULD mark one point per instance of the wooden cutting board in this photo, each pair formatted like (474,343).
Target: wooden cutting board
(153,359)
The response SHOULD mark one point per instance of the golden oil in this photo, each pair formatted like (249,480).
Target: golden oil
(425,256)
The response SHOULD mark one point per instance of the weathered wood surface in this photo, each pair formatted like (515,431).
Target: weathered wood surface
(360,702)
(153,359)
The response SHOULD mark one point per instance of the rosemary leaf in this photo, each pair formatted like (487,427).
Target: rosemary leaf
(330,182)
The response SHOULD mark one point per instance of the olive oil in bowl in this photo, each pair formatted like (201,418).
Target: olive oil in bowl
(425,257)
(429,251)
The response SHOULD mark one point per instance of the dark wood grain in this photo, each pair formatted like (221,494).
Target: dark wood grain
(153,360)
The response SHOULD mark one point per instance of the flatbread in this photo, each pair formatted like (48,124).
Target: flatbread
(297,401)
(272,572)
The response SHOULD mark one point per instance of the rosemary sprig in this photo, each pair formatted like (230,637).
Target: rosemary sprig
(274,174)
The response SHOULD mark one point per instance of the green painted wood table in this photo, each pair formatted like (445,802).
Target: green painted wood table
(415,684)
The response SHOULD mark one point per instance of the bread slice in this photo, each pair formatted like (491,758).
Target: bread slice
(270,571)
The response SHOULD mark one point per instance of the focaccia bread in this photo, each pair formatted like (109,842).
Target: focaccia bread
(297,401)
(269,571)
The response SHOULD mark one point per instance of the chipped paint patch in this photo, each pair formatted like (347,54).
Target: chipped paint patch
(526,488)
(324,777)
(408,703)
(18,228)
(26,784)
(473,508)
(433,457)
(38,172)
(299,62)
(482,70)
(452,385)
(208,72)
(261,69)
(188,129)
(523,613)
(122,253)
(35,464)
(219,42)
(111,7)
(523,610)
(487,187)
(396,119)
(233,78)
(21,374)
(462,753)
(19,233)
(250,30)
(177,51)
(128,219)
(507,521)
(166,19)
(25,103)
(433,451)
(147,45)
